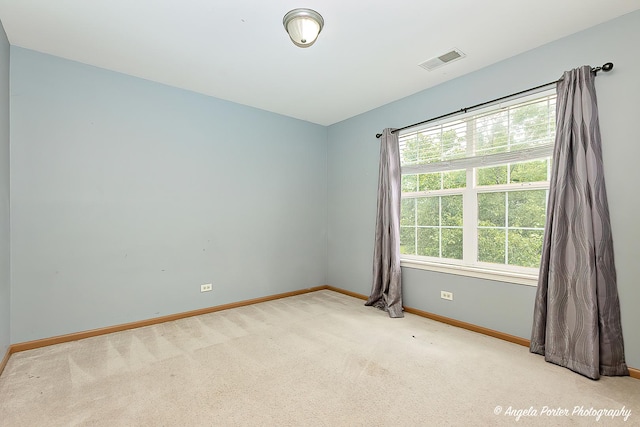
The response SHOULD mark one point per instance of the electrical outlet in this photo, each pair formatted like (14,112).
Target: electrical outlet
(446,295)
(206,288)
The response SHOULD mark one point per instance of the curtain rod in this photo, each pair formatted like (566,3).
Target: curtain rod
(606,68)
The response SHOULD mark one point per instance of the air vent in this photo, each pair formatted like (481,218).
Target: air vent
(446,58)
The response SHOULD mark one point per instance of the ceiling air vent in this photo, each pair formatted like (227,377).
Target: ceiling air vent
(433,63)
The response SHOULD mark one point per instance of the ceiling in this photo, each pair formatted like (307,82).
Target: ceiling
(366,56)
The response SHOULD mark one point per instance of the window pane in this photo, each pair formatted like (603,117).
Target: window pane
(492,176)
(409,183)
(409,151)
(525,247)
(408,212)
(527,208)
(452,243)
(408,240)
(454,144)
(451,210)
(491,209)
(428,212)
(429,181)
(529,124)
(428,242)
(491,243)
(454,179)
(430,148)
(534,171)
(491,133)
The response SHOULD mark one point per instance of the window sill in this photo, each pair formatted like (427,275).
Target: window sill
(478,272)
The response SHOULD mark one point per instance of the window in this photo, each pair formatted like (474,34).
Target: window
(475,189)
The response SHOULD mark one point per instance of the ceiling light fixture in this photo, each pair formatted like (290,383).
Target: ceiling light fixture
(303,26)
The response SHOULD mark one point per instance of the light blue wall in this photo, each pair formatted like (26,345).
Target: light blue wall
(5,276)
(127,195)
(353,153)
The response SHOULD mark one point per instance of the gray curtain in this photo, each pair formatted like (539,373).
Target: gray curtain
(577,312)
(386,291)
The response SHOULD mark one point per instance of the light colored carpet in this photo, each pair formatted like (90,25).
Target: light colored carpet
(319,359)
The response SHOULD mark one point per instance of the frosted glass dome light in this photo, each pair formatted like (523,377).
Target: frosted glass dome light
(303,26)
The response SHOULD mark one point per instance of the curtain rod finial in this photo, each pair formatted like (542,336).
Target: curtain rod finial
(378,135)
(607,67)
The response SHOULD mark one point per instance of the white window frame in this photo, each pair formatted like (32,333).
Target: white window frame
(467,267)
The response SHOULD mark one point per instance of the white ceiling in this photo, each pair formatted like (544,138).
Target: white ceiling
(366,56)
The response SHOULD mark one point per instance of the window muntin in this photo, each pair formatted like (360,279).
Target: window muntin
(474,189)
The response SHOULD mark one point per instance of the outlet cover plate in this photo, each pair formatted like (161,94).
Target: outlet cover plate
(446,295)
